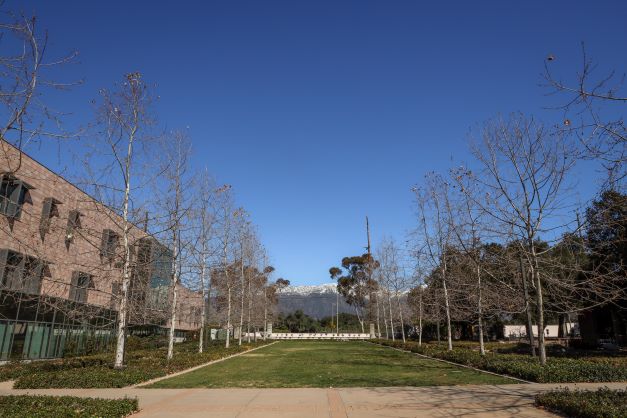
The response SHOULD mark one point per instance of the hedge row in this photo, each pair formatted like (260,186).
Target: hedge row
(557,370)
(65,406)
(603,403)
(97,371)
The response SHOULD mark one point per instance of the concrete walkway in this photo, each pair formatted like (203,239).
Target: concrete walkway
(435,401)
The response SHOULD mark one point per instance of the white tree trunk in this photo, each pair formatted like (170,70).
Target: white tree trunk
(480,312)
(391,316)
(400,312)
(228,317)
(203,324)
(447,309)
(120,348)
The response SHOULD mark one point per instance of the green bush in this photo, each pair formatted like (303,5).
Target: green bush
(603,403)
(65,406)
(557,369)
(97,371)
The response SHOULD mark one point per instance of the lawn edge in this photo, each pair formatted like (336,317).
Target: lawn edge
(453,363)
(191,369)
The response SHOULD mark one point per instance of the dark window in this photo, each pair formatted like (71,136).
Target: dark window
(49,210)
(21,273)
(13,195)
(108,244)
(81,283)
(73,224)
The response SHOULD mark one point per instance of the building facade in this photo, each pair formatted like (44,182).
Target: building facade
(61,269)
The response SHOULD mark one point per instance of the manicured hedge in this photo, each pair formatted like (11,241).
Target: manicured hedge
(603,403)
(65,406)
(557,370)
(97,371)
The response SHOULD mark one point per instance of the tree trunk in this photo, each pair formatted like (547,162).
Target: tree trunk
(241,310)
(400,312)
(529,325)
(228,316)
(447,308)
(378,318)
(420,319)
(265,313)
(539,308)
(391,317)
(201,337)
(120,348)
(480,312)
(250,307)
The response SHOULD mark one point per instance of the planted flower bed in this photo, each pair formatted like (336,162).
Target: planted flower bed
(603,403)
(557,370)
(97,371)
(65,406)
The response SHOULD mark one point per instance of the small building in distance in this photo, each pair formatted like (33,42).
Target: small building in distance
(61,270)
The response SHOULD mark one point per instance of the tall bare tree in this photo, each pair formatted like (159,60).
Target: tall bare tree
(122,141)
(525,170)
(435,235)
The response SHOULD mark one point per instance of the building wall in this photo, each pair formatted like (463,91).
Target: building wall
(83,252)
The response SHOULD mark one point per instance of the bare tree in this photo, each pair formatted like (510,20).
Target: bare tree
(592,111)
(176,205)
(524,171)
(435,234)
(124,120)
(25,75)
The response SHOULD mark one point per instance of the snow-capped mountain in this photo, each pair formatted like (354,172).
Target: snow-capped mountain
(307,290)
(316,301)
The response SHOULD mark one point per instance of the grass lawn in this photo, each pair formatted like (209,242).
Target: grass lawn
(327,364)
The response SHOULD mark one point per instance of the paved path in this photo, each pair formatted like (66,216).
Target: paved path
(435,401)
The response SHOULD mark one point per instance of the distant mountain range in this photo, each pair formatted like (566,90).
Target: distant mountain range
(315,301)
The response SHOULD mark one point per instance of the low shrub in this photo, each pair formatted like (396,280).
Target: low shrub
(97,371)
(557,369)
(65,406)
(603,403)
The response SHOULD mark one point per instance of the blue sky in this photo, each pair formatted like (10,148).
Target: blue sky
(322,112)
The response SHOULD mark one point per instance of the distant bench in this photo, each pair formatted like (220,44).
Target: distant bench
(317,336)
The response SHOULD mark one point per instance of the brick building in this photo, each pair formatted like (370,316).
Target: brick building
(60,268)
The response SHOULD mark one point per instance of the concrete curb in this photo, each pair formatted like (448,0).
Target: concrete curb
(158,379)
(454,364)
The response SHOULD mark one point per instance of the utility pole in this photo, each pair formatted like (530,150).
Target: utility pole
(368,235)
(371,325)
(337,312)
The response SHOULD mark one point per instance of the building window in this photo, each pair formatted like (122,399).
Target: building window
(49,210)
(22,273)
(73,225)
(108,244)
(13,195)
(81,283)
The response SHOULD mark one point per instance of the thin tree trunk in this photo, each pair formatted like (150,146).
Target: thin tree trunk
(265,313)
(420,319)
(480,309)
(447,309)
(201,337)
(391,316)
(241,310)
(126,269)
(400,313)
(378,318)
(527,307)
(539,307)
(250,307)
(228,316)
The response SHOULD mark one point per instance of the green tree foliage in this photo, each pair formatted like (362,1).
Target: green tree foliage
(357,285)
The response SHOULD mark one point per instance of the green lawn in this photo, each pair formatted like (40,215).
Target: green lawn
(327,364)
